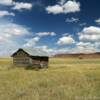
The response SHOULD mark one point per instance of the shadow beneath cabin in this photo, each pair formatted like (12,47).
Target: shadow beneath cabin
(35,67)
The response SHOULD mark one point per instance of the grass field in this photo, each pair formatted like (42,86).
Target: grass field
(65,79)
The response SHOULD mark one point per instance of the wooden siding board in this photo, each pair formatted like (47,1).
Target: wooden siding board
(22,58)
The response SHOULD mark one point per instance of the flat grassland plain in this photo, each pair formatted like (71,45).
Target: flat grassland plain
(65,79)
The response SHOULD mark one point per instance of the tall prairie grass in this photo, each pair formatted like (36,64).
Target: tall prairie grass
(65,79)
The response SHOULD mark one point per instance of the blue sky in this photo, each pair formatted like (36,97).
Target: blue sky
(56,26)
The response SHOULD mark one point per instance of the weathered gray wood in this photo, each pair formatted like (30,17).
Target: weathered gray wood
(22,58)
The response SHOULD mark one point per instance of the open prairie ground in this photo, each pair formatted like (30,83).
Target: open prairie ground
(65,79)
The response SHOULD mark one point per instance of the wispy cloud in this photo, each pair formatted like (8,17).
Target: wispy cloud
(82,24)
(6,13)
(97,21)
(71,20)
(9,33)
(6,2)
(41,34)
(31,42)
(13,29)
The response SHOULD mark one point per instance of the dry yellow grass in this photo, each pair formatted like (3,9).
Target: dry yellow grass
(65,79)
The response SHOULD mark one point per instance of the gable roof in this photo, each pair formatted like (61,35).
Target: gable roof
(33,52)
(36,52)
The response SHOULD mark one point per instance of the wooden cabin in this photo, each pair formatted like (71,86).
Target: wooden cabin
(33,57)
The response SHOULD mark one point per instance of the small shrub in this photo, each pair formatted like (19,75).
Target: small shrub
(29,67)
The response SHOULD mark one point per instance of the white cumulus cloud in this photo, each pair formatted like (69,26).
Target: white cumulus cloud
(91,33)
(64,7)
(71,7)
(16,5)
(56,9)
(65,40)
(21,5)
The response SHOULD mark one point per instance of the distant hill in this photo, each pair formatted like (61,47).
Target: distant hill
(80,55)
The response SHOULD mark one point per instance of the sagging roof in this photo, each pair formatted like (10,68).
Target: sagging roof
(33,52)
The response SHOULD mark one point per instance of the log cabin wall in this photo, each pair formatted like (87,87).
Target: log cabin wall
(40,61)
(44,61)
(21,58)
